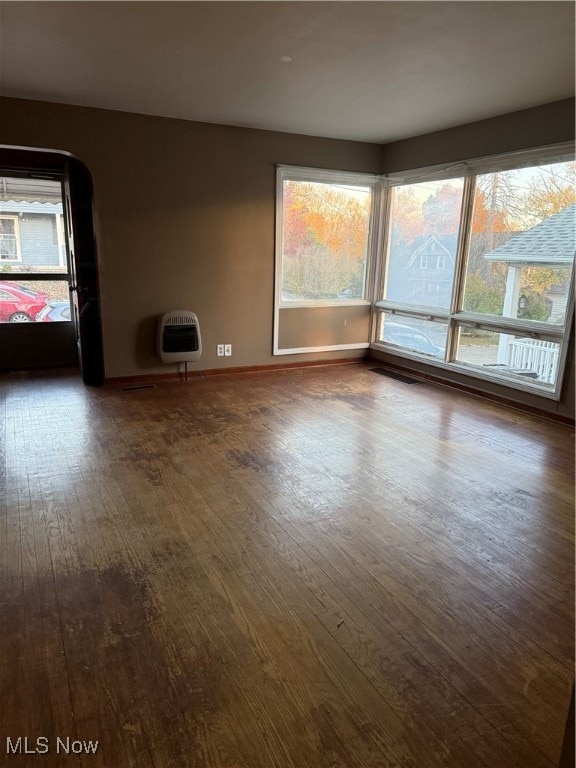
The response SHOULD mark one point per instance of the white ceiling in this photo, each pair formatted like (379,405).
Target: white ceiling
(370,71)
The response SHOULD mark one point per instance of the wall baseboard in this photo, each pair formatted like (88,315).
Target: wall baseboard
(470,390)
(153,378)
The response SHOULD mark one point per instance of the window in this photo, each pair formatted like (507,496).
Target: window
(424,220)
(521,244)
(414,334)
(470,268)
(505,242)
(9,239)
(324,236)
(33,255)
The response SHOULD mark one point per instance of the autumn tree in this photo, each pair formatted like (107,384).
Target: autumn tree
(441,211)
(489,229)
(552,190)
(325,235)
(406,220)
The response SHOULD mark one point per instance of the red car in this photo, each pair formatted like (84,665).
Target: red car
(20,305)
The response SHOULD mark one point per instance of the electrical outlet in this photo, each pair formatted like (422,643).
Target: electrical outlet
(228,350)
(220,350)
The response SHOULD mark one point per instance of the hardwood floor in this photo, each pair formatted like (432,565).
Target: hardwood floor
(318,568)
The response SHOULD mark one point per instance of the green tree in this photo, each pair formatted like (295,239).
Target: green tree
(537,307)
(479,296)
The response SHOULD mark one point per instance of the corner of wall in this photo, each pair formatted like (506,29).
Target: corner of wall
(540,126)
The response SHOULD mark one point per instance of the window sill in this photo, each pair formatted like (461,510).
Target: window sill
(324,303)
(482,375)
(308,350)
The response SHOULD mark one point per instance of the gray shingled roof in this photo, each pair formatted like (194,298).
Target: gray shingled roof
(553,241)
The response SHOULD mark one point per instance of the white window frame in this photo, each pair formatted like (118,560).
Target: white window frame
(320,176)
(317,175)
(16,221)
(455,316)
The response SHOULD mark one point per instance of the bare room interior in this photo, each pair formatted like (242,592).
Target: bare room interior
(287,386)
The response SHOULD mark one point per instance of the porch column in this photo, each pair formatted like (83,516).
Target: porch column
(510,307)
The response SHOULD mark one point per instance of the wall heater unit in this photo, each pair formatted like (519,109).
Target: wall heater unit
(179,339)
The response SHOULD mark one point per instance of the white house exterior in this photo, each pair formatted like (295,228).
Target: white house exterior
(551,243)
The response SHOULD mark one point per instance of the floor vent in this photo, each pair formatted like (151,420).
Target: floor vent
(138,386)
(397,376)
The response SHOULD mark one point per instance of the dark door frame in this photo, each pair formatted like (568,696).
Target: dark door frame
(78,181)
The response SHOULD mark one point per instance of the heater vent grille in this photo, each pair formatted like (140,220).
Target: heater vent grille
(179,339)
(173,318)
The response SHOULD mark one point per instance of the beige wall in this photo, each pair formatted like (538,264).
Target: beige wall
(326,326)
(537,127)
(185,220)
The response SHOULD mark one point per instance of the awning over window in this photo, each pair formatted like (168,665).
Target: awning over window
(29,190)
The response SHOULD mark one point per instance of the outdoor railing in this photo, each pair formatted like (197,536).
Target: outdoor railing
(534,355)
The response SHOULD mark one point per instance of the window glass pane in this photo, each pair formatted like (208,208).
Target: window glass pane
(522,242)
(423,236)
(32,235)
(324,240)
(34,301)
(517,357)
(413,334)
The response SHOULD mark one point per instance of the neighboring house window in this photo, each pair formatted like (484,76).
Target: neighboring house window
(419,214)
(438,261)
(324,237)
(502,313)
(9,239)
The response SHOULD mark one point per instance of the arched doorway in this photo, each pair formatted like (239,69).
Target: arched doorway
(29,174)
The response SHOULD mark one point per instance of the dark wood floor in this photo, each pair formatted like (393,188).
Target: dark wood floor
(315,568)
